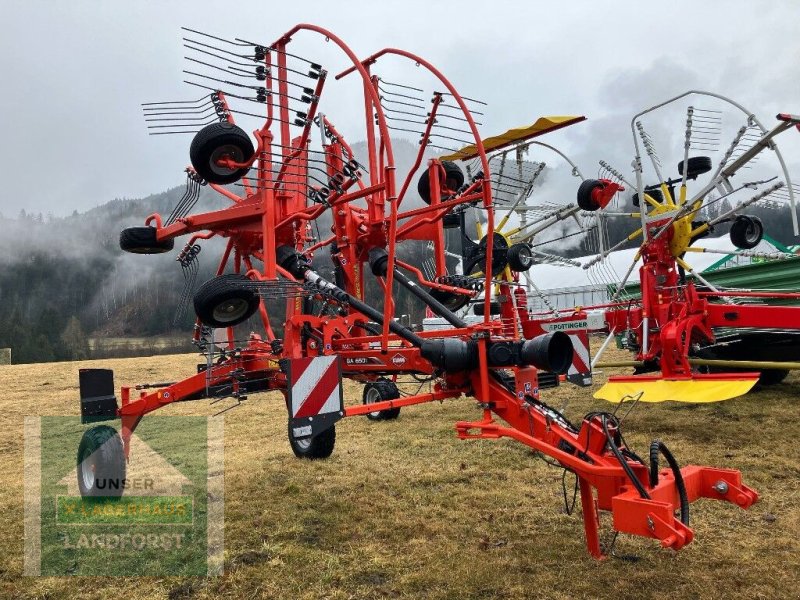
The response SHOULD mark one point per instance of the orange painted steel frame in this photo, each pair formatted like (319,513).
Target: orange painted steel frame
(270,215)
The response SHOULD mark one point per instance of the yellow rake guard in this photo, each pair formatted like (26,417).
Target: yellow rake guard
(512,136)
(700,388)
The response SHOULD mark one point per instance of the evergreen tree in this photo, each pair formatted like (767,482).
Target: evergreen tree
(73,338)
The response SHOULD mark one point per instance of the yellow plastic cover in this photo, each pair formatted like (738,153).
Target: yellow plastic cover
(543,125)
(683,390)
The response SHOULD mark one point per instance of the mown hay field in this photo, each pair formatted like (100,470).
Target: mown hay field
(406,510)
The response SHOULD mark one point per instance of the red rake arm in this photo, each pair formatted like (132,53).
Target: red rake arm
(637,507)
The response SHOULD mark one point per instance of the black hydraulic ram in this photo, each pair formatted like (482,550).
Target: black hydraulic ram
(378,259)
(294,262)
(552,351)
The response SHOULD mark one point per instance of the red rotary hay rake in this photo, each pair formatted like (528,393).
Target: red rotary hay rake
(681,323)
(287,187)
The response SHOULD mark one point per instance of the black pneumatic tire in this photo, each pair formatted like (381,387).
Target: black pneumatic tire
(453,180)
(520,257)
(143,240)
(101,464)
(696,165)
(746,232)
(585,194)
(319,446)
(226,300)
(216,141)
(378,391)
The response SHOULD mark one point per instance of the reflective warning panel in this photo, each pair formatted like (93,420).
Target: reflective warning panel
(580,371)
(315,394)
(577,327)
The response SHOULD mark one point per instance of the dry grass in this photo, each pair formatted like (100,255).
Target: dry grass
(405,509)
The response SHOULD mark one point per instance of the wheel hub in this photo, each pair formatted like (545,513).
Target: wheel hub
(371,397)
(230,310)
(87,470)
(229,151)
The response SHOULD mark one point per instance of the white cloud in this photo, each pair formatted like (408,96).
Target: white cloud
(75,73)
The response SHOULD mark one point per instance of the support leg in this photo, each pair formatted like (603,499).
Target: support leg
(591,520)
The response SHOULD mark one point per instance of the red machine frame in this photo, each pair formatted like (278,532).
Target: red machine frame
(274,214)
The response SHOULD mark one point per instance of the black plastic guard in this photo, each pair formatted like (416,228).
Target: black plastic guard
(98,402)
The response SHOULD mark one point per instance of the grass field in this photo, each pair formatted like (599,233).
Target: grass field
(406,510)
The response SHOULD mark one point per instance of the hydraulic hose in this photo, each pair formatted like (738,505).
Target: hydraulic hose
(622,460)
(299,267)
(451,354)
(657,446)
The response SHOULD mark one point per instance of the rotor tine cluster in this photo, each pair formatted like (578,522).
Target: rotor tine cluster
(777,197)
(403,110)
(183,116)
(189,266)
(615,174)
(703,128)
(749,137)
(281,288)
(313,165)
(193,184)
(453,113)
(512,186)
(648,143)
(232,66)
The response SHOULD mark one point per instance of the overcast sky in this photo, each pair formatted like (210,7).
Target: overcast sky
(75,72)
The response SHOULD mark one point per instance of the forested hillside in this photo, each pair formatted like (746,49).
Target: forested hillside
(64,280)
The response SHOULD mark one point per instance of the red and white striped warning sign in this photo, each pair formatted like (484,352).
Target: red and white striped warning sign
(316,386)
(580,371)
(577,328)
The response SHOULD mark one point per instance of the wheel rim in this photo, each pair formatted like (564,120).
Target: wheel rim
(303,444)
(371,397)
(752,233)
(230,310)
(227,151)
(525,257)
(87,468)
